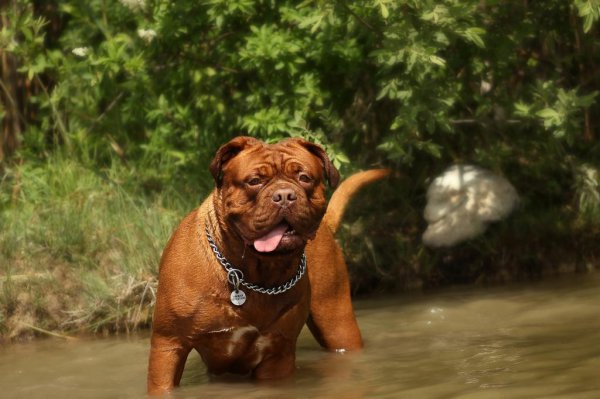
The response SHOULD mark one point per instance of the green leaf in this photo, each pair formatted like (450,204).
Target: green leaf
(474,35)
(385,13)
(342,158)
(522,109)
(437,60)
(548,113)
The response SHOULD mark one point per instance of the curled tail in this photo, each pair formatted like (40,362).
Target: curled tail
(345,191)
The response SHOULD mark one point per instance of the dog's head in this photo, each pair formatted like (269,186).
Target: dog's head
(272,195)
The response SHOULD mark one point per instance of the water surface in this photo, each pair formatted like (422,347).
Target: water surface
(531,341)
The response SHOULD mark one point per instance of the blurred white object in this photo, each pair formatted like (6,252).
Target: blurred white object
(462,201)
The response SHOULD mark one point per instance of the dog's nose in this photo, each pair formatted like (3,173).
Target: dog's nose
(284,196)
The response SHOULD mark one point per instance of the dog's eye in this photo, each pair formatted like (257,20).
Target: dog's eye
(304,178)
(255,181)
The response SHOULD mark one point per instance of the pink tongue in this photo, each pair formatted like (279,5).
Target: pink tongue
(270,241)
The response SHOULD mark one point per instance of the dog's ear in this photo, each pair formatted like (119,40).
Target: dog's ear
(226,152)
(331,173)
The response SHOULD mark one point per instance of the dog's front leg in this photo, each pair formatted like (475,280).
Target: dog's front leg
(167,360)
(276,366)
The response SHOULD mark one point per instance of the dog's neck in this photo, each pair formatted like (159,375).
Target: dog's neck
(264,270)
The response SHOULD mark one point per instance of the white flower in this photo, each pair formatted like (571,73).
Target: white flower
(146,35)
(134,5)
(81,51)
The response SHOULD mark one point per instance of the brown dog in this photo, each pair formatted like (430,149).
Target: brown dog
(248,237)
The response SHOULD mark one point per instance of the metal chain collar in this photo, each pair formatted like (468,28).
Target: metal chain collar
(236,276)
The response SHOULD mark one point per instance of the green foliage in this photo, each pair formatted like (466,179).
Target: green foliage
(587,187)
(589,10)
(162,84)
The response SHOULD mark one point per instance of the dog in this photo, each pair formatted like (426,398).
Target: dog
(244,272)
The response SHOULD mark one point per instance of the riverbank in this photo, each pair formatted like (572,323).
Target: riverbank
(80,248)
(79,252)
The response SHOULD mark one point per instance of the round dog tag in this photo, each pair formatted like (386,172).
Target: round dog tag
(238,297)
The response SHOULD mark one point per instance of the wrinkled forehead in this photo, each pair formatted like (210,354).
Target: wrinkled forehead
(272,159)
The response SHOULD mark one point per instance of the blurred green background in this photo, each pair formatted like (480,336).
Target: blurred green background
(112,110)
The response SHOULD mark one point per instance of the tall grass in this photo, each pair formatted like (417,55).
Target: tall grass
(79,252)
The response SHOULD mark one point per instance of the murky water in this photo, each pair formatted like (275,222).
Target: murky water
(534,341)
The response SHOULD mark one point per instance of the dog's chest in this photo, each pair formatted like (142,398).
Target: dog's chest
(241,338)
(239,349)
